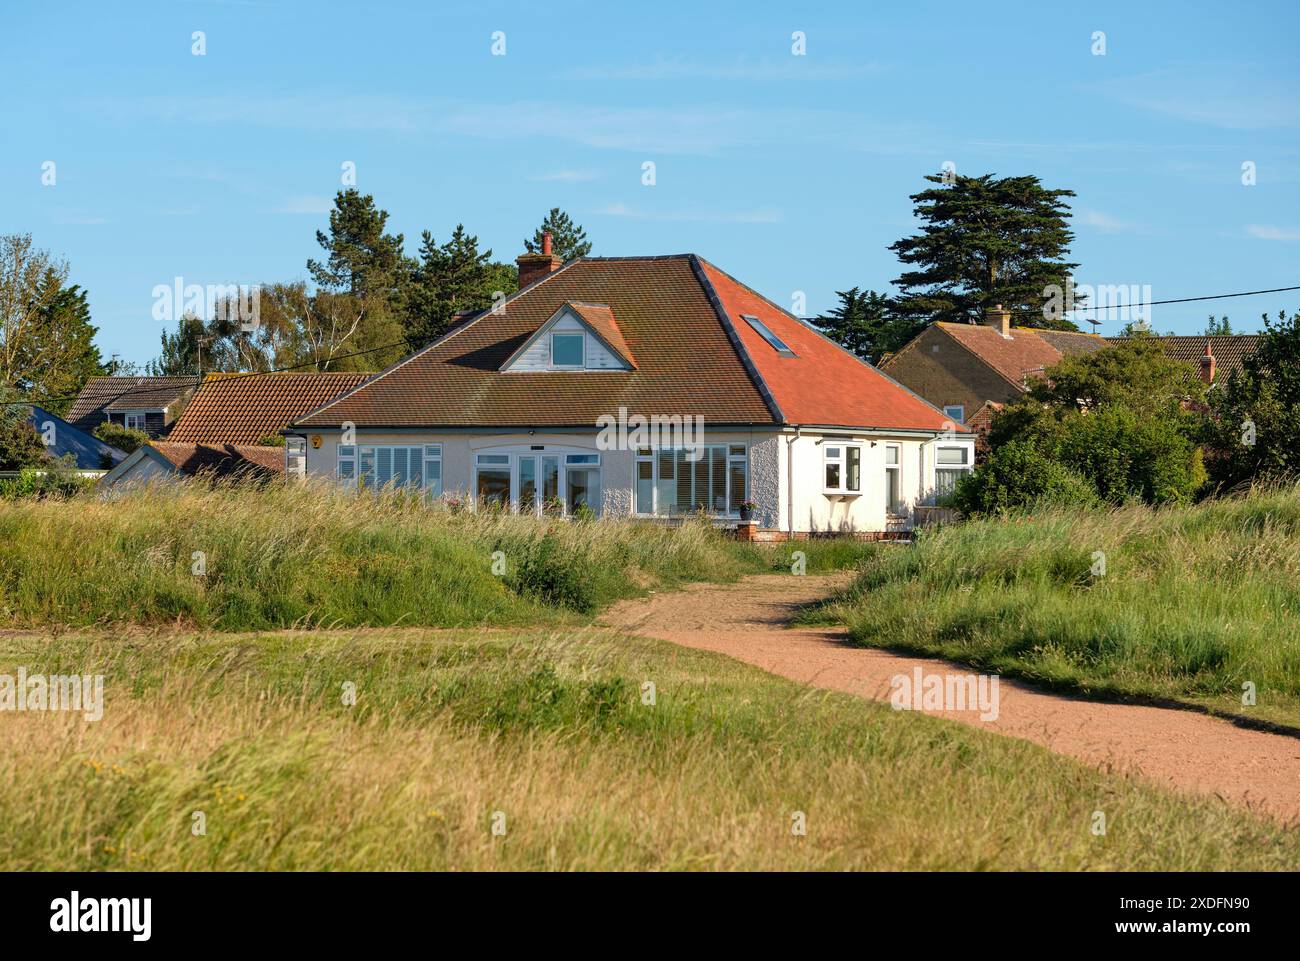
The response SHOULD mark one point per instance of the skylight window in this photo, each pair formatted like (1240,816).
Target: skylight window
(765,332)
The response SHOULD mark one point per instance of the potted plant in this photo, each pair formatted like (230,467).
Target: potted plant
(747,509)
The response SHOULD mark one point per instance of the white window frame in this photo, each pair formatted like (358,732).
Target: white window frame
(841,457)
(567,458)
(959,417)
(140,418)
(582,365)
(966,467)
(350,456)
(735,454)
(894,508)
(295,456)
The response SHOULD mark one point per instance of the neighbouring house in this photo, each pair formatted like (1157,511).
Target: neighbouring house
(249,408)
(165,460)
(92,456)
(961,367)
(980,423)
(1216,356)
(650,387)
(150,404)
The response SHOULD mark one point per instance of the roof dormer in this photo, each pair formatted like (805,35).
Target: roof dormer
(577,337)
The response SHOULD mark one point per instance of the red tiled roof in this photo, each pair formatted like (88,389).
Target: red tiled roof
(125,393)
(601,319)
(679,317)
(247,408)
(1229,350)
(222,460)
(1026,353)
(822,383)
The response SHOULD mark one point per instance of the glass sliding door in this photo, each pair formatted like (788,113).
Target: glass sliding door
(492,481)
(582,483)
(551,503)
(527,499)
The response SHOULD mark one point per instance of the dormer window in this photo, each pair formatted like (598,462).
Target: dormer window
(577,337)
(766,333)
(568,349)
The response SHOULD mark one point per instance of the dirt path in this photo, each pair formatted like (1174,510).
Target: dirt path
(1182,749)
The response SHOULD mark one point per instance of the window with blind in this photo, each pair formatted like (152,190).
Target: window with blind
(713,479)
(375,467)
(950,465)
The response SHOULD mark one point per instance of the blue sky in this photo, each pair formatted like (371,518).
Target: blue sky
(791,172)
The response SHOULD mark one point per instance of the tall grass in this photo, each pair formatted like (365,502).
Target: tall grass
(237,558)
(1193,602)
(550,729)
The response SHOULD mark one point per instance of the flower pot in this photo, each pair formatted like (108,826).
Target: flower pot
(746,515)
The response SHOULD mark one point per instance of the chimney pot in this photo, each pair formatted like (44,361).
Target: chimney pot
(999,319)
(1207,364)
(533,267)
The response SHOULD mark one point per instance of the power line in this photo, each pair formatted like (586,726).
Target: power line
(230,376)
(1188,300)
(403,343)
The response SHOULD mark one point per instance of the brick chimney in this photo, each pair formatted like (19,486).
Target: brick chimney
(999,319)
(1207,364)
(536,266)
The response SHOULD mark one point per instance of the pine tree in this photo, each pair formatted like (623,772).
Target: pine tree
(866,324)
(60,355)
(987,241)
(568,240)
(449,279)
(363,260)
(1221,327)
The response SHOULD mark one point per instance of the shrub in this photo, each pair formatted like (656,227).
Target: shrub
(57,479)
(1019,476)
(125,439)
(551,574)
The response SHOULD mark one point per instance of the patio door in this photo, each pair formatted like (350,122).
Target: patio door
(537,486)
(582,488)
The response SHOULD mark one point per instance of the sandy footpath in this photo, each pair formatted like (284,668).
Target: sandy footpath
(1181,749)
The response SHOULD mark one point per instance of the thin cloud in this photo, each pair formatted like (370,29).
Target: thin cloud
(690,130)
(1268,232)
(789,68)
(79,220)
(1231,97)
(564,176)
(765,215)
(322,112)
(304,204)
(1105,222)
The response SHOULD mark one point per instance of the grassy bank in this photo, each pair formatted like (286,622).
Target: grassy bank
(550,729)
(1193,602)
(314,555)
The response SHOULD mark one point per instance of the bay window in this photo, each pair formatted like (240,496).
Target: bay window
(842,468)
